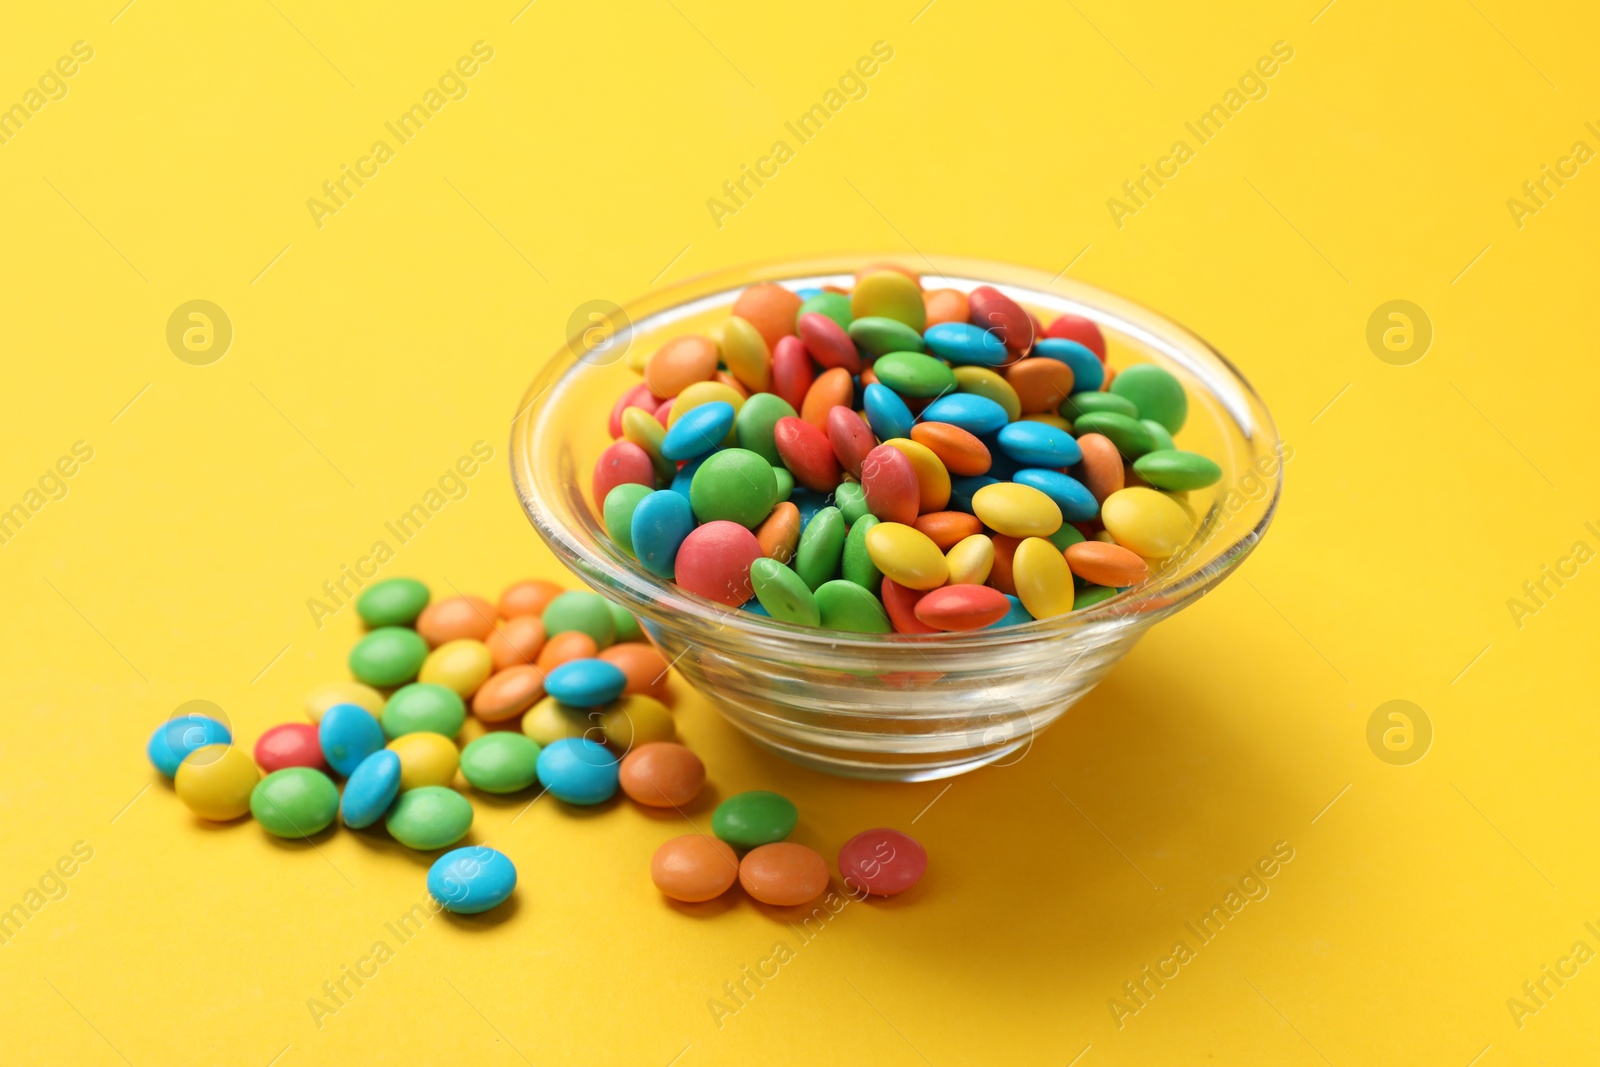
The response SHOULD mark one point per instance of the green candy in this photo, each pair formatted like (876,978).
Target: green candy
(782,592)
(1171,469)
(627,626)
(816,558)
(423,708)
(852,501)
(736,485)
(1158,433)
(752,427)
(1155,392)
(429,817)
(1128,434)
(392,602)
(755,818)
(1065,537)
(578,610)
(847,606)
(876,336)
(914,374)
(1090,595)
(500,762)
(785,482)
(389,655)
(857,566)
(618,511)
(834,305)
(1078,405)
(295,802)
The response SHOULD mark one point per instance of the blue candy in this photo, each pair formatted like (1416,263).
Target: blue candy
(1014,617)
(177,737)
(962,342)
(578,771)
(698,430)
(973,413)
(809,502)
(349,734)
(1039,445)
(1077,504)
(371,789)
(753,606)
(961,490)
(660,523)
(887,414)
(1088,373)
(586,683)
(685,476)
(472,879)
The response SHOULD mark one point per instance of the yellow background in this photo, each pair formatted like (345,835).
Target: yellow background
(370,353)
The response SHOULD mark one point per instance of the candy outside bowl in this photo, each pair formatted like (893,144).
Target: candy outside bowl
(891,707)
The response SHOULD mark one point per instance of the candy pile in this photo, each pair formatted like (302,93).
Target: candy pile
(889,459)
(564,693)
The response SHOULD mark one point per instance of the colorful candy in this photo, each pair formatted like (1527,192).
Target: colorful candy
(472,879)
(371,789)
(754,818)
(423,706)
(693,868)
(578,771)
(662,774)
(882,862)
(295,802)
(215,781)
(348,735)
(388,656)
(783,874)
(291,744)
(501,762)
(176,738)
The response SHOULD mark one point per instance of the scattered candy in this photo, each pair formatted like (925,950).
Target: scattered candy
(423,706)
(293,744)
(501,762)
(754,818)
(472,879)
(295,802)
(176,738)
(578,771)
(425,759)
(694,868)
(429,817)
(392,602)
(783,874)
(348,735)
(586,683)
(370,790)
(214,781)
(883,862)
(662,775)
(324,697)
(390,655)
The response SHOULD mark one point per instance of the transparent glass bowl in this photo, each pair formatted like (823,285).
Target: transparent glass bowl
(894,707)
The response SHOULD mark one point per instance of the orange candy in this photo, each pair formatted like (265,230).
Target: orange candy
(1041,383)
(1102,465)
(645,667)
(1005,550)
(514,641)
(574,644)
(735,384)
(1108,565)
(779,533)
(783,874)
(695,868)
(508,693)
(528,598)
(662,774)
(961,452)
(946,528)
(680,363)
(831,389)
(945,305)
(454,618)
(771,309)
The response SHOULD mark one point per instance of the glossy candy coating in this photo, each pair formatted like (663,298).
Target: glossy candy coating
(290,744)
(883,862)
(783,874)
(215,781)
(1016,510)
(1044,584)
(693,868)
(582,611)
(392,602)
(662,774)
(586,683)
(1110,565)
(714,562)
(388,656)
(472,880)
(783,593)
(758,817)
(501,762)
(371,789)
(180,735)
(962,607)
(429,817)
(460,666)
(425,759)
(735,485)
(578,771)
(629,721)
(348,735)
(528,597)
(1146,521)
(295,802)
(423,706)
(661,522)
(844,605)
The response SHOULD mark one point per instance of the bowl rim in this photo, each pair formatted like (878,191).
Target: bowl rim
(650,595)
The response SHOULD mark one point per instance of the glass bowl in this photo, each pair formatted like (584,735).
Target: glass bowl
(893,707)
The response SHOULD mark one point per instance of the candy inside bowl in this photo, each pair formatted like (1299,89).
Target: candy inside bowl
(895,705)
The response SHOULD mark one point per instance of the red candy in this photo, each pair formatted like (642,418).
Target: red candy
(851,438)
(714,561)
(294,744)
(891,486)
(901,605)
(827,342)
(1079,329)
(791,371)
(639,396)
(1002,316)
(883,862)
(619,464)
(962,607)
(807,453)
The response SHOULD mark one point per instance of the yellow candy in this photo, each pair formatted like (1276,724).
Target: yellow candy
(324,697)
(550,720)
(1149,522)
(907,555)
(1046,417)
(215,781)
(460,665)
(891,295)
(1016,510)
(984,382)
(744,351)
(704,393)
(1044,583)
(970,560)
(933,480)
(425,759)
(635,720)
(646,431)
